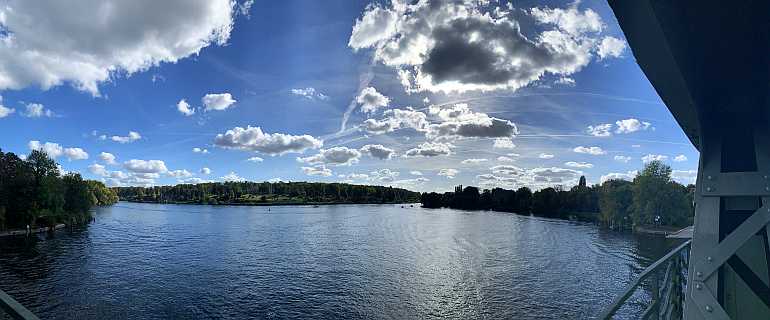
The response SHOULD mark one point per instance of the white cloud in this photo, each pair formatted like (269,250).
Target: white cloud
(456,46)
(684,176)
(590,150)
(619,176)
(309,93)
(200,150)
(85,43)
(255,159)
(384,175)
(411,182)
(75,154)
(545,156)
(583,165)
(622,158)
(232,176)
(505,159)
(600,130)
(680,158)
(378,151)
(4,111)
(193,180)
(371,100)
(503,143)
(631,125)
(474,161)
(430,149)
(317,171)
(145,166)
(654,157)
(183,107)
(205,171)
(449,173)
(611,47)
(397,119)
(355,176)
(415,173)
(131,137)
(217,101)
(565,81)
(37,110)
(98,170)
(337,156)
(253,139)
(179,174)
(54,150)
(460,122)
(107,158)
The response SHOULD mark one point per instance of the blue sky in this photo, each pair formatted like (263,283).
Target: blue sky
(437,94)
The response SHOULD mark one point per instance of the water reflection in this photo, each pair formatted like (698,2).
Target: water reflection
(349,262)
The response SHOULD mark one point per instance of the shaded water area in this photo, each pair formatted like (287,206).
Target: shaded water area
(148,261)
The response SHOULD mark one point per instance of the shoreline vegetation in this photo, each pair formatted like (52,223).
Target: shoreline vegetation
(35,194)
(652,203)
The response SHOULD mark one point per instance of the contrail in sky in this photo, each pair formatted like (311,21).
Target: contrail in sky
(363,81)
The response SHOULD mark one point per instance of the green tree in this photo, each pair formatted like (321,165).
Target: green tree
(657,199)
(615,199)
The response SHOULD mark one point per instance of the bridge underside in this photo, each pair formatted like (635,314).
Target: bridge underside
(710,63)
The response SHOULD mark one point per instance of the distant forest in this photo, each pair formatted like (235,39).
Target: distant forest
(256,193)
(651,199)
(34,192)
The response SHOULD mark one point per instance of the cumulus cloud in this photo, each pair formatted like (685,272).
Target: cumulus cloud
(200,150)
(217,101)
(430,149)
(317,171)
(337,156)
(54,150)
(590,150)
(254,139)
(622,158)
(631,125)
(255,159)
(449,173)
(205,171)
(545,156)
(397,119)
(600,130)
(684,176)
(456,46)
(654,157)
(680,158)
(460,122)
(4,111)
(415,173)
(565,81)
(371,100)
(504,159)
(619,176)
(98,170)
(145,166)
(37,110)
(503,143)
(583,165)
(179,174)
(309,93)
(510,176)
(84,43)
(611,47)
(107,158)
(183,107)
(378,151)
(474,161)
(384,175)
(131,137)
(232,176)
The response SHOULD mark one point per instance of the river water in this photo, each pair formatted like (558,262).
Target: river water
(148,261)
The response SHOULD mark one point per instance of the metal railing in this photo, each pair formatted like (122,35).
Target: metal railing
(14,309)
(666,280)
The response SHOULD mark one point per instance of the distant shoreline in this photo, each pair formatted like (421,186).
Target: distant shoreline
(268,204)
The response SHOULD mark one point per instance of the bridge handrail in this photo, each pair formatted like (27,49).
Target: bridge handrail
(620,300)
(14,309)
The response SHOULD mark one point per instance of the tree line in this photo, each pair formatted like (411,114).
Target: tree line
(267,193)
(652,198)
(34,192)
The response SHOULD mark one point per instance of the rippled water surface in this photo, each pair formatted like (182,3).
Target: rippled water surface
(146,261)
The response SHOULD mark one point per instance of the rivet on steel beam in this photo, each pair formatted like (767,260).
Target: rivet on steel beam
(699,274)
(708,259)
(767,188)
(708,189)
(698,286)
(709,308)
(765,177)
(710,177)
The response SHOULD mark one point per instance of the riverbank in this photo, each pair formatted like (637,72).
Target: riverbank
(267,204)
(22,232)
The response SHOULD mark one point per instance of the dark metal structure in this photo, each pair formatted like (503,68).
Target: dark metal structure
(710,63)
